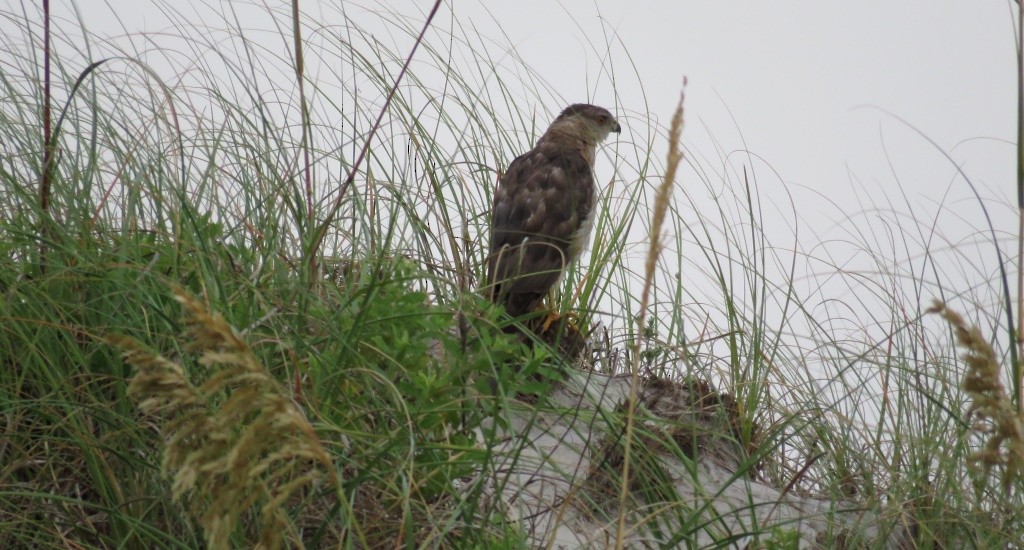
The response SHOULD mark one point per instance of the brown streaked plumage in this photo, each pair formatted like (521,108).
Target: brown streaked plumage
(543,209)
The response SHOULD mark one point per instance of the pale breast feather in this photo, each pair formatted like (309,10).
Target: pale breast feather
(581,239)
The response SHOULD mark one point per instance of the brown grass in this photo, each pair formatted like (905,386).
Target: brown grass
(992,413)
(661,203)
(234,442)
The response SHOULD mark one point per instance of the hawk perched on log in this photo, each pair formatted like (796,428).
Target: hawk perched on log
(544,209)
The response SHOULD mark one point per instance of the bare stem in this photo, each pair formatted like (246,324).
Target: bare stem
(1018,383)
(304,107)
(47,172)
(321,231)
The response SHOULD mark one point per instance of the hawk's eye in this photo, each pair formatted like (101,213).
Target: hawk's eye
(602,120)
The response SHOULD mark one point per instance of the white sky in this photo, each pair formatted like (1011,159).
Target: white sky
(800,82)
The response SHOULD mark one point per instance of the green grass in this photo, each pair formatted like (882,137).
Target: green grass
(188,162)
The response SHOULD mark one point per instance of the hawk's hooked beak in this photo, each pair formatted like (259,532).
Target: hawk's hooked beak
(616,128)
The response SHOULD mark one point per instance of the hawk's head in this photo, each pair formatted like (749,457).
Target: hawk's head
(587,120)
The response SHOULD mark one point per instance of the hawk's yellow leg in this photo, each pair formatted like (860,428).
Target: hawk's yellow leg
(554,316)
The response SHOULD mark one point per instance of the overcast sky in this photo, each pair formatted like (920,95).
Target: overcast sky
(801,83)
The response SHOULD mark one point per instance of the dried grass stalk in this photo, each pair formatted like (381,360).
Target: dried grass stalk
(662,199)
(993,415)
(237,440)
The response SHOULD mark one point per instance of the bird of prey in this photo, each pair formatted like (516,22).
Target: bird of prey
(544,209)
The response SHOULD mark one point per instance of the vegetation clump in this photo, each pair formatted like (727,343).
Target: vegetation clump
(337,380)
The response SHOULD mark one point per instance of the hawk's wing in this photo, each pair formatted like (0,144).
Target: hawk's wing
(541,205)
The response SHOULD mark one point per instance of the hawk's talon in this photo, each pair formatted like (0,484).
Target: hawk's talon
(571,319)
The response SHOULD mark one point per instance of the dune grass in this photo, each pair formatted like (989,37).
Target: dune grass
(325,355)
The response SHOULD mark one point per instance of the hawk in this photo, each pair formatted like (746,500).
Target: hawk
(544,209)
